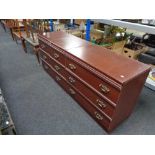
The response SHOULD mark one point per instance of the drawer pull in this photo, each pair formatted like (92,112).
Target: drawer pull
(104,88)
(44,57)
(72,67)
(100,103)
(72,91)
(57,78)
(57,68)
(71,80)
(42,46)
(56,56)
(46,67)
(98,116)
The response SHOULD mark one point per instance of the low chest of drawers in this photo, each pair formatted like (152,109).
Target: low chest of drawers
(106,85)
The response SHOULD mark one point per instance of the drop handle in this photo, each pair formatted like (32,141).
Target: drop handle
(101,104)
(56,56)
(57,78)
(57,68)
(104,88)
(71,80)
(72,91)
(72,67)
(42,46)
(98,116)
(44,57)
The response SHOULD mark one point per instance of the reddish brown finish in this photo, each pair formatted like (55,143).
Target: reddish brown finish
(106,85)
(108,63)
(95,99)
(94,81)
(57,77)
(95,113)
(52,53)
(127,99)
(63,40)
(55,66)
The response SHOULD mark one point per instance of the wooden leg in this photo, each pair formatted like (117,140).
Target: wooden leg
(36,51)
(3,25)
(15,38)
(12,33)
(23,45)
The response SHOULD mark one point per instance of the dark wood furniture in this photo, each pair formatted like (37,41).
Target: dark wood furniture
(32,28)
(27,35)
(12,25)
(106,85)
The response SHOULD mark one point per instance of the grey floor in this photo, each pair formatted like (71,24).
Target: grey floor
(39,106)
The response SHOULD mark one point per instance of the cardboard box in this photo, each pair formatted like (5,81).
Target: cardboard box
(79,21)
(75,32)
(118,47)
(94,35)
(134,53)
(99,26)
(58,27)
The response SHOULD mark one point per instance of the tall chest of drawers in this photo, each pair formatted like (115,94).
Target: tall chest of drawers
(106,85)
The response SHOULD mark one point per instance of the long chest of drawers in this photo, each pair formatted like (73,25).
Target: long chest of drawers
(106,85)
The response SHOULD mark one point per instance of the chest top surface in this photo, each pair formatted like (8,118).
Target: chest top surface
(115,66)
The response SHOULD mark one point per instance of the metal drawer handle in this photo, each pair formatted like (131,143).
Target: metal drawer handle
(56,56)
(44,57)
(72,67)
(42,46)
(72,91)
(57,68)
(98,116)
(100,103)
(104,88)
(57,78)
(71,80)
(46,67)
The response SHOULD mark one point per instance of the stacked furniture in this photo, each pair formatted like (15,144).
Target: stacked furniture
(105,84)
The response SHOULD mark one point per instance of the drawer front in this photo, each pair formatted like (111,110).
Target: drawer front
(95,99)
(44,56)
(57,67)
(100,85)
(55,76)
(44,46)
(95,113)
(54,53)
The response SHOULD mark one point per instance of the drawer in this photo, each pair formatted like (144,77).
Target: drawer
(101,86)
(94,98)
(44,46)
(95,113)
(54,53)
(57,77)
(57,67)
(44,56)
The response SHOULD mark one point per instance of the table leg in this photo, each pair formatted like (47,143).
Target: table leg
(3,25)
(15,38)
(24,45)
(36,51)
(12,33)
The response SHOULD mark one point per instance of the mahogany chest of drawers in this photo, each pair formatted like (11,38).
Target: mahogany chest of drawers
(106,85)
